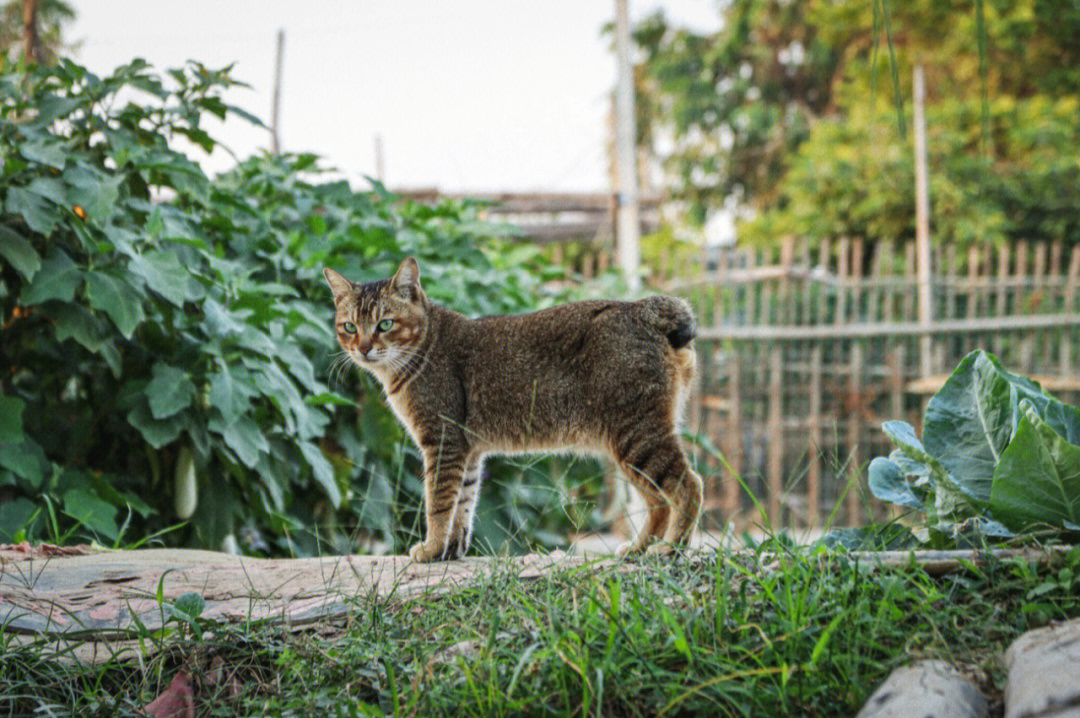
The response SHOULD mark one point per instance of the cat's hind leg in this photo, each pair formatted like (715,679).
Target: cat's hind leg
(461,528)
(657,467)
(685,492)
(655,522)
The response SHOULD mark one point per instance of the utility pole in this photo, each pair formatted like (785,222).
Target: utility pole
(922,222)
(30,40)
(380,170)
(274,146)
(627,224)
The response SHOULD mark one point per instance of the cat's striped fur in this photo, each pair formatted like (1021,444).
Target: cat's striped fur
(601,377)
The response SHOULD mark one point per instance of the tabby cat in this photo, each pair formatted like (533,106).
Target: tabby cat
(600,377)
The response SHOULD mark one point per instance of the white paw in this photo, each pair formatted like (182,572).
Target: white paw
(422,554)
(660,549)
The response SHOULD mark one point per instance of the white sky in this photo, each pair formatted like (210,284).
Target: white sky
(467,94)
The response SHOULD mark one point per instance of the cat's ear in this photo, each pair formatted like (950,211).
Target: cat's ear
(406,281)
(340,286)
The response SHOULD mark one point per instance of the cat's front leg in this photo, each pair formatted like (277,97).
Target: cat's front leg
(443,471)
(461,528)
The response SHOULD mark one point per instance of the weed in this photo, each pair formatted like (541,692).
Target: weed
(808,632)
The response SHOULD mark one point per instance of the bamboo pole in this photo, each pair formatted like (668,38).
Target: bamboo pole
(776,433)
(922,220)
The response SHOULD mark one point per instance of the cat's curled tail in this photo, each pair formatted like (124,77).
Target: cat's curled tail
(672,316)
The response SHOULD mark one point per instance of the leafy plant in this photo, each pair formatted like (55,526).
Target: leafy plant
(998,456)
(782,110)
(166,344)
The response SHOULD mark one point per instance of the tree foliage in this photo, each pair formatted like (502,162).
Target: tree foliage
(791,108)
(162,328)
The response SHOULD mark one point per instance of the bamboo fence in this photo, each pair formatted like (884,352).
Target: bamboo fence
(804,352)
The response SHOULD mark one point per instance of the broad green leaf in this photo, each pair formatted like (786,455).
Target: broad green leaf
(952,500)
(26,460)
(11,426)
(156,432)
(170,391)
(51,188)
(44,152)
(888,483)
(970,421)
(52,106)
(163,273)
(323,472)
(1038,478)
(39,215)
(329,398)
(243,437)
(74,321)
(220,322)
(19,253)
(14,515)
(189,605)
(95,191)
(297,364)
(58,278)
(102,486)
(93,513)
(117,298)
(231,392)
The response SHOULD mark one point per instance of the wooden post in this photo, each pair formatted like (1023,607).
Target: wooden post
(734,455)
(628,222)
(753,259)
(813,478)
(804,308)
(1023,304)
(873,302)
(889,308)
(1040,304)
(776,433)
(1071,281)
(1002,298)
(855,393)
(974,305)
(922,221)
(275,146)
(854,429)
(787,257)
(842,274)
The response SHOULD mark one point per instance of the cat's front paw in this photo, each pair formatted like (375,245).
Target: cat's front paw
(425,553)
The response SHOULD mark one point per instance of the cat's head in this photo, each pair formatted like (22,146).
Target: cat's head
(380,324)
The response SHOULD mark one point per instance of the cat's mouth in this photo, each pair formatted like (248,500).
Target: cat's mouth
(372,356)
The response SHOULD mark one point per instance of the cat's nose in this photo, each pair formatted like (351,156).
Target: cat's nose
(365,346)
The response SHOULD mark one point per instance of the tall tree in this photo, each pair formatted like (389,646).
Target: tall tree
(50,18)
(791,108)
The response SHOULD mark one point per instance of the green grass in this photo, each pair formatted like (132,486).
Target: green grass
(811,634)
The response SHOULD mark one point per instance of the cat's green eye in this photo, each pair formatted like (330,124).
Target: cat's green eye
(385,325)
(350,328)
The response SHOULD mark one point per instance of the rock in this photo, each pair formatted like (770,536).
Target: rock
(928,689)
(1044,673)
